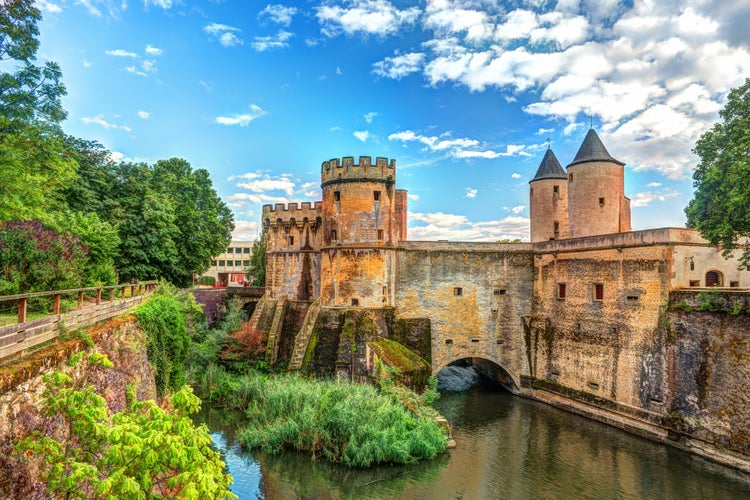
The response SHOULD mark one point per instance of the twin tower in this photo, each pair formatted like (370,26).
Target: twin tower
(588,200)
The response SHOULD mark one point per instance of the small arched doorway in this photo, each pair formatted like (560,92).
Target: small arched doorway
(482,368)
(714,278)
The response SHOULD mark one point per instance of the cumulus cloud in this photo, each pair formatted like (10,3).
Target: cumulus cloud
(224,33)
(277,41)
(362,135)
(246,230)
(399,66)
(242,119)
(442,226)
(459,147)
(49,7)
(646,197)
(368,17)
(278,14)
(144,115)
(154,51)
(471,193)
(516,175)
(369,116)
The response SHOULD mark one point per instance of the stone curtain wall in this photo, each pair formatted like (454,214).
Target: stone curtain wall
(475,295)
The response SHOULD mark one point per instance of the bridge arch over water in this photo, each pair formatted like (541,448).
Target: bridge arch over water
(487,368)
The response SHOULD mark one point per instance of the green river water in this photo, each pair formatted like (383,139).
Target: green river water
(507,447)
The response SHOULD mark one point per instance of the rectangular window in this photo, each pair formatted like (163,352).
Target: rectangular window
(695,282)
(498,291)
(291,240)
(599,291)
(555,189)
(238,263)
(333,235)
(230,250)
(448,341)
(221,263)
(458,291)
(376,195)
(734,284)
(337,196)
(246,250)
(562,290)
(570,177)
(380,234)
(245,263)
(531,191)
(355,302)
(601,202)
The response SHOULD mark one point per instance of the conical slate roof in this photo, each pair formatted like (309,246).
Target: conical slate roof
(592,149)
(550,168)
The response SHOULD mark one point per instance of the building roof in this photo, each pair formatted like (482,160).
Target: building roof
(550,168)
(592,149)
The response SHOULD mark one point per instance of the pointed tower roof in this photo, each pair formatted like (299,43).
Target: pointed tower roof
(592,149)
(550,168)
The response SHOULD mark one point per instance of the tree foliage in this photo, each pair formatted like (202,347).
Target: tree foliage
(141,452)
(721,207)
(256,274)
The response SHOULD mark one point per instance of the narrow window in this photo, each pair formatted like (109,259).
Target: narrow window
(474,341)
(448,341)
(337,196)
(376,195)
(601,202)
(562,290)
(333,234)
(355,302)
(291,240)
(531,192)
(380,234)
(556,189)
(499,291)
(458,291)
(695,282)
(570,177)
(598,291)
(712,278)
(734,284)
(631,297)
(692,265)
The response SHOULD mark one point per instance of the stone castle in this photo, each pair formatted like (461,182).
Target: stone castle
(585,311)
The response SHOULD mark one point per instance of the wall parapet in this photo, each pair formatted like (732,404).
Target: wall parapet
(648,237)
(281,209)
(463,246)
(336,169)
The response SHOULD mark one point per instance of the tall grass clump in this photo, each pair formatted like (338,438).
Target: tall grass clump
(357,425)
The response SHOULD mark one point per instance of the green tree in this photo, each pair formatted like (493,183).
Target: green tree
(721,207)
(28,92)
(141,452)
(256,274)
(204,223)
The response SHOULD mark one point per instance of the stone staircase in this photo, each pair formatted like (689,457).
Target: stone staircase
(275,332)
(303,337)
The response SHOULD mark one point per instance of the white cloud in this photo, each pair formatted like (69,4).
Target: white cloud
(653,184)
(362,135)
(49,7)
(154,51)
(413,197)
(399,66)
(278,41)
(441,226)
(87,64)
(458,148)
(369,17)
(224,33)
(99,120)
(230,40)
(136,71)
(646,197)
(284,184)
(218,28)
(518,209)
(164,4)
(369,116)
(144,114)
(471,193)
(243,119)
(246,230)
(279,14)
(516,175)
(89,4)
(121,53)
(206,86)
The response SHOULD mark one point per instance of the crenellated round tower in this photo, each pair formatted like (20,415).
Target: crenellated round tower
(596,191)
(548,200)
(363,219)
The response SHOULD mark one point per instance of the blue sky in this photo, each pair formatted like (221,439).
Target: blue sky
(463,94)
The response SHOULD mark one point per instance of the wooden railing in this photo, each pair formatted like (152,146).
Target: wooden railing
(20,336)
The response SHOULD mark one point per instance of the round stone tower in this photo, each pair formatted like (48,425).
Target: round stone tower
(363,219)
(596,191)
(548,200)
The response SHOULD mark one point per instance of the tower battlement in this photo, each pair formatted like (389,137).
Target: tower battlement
(339,169)
(306,209)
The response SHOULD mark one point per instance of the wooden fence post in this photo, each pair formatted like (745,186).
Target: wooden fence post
(22,310)
(56,304)
(111,294)
(98,296)
(80,299)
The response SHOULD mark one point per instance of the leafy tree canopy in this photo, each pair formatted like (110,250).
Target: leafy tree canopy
(256,274)
(721,207)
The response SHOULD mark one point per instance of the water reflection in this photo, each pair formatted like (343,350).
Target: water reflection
(507,447)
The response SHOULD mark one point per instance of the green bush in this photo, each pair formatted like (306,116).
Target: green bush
(208,280)
(163,321)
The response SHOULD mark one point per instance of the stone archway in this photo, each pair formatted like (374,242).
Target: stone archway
(488,369)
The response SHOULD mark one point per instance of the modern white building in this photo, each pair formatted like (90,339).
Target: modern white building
(229,267)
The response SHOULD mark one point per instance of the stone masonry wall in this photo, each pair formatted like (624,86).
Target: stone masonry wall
(475,295)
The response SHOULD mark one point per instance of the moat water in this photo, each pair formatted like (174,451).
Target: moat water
(507,447)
